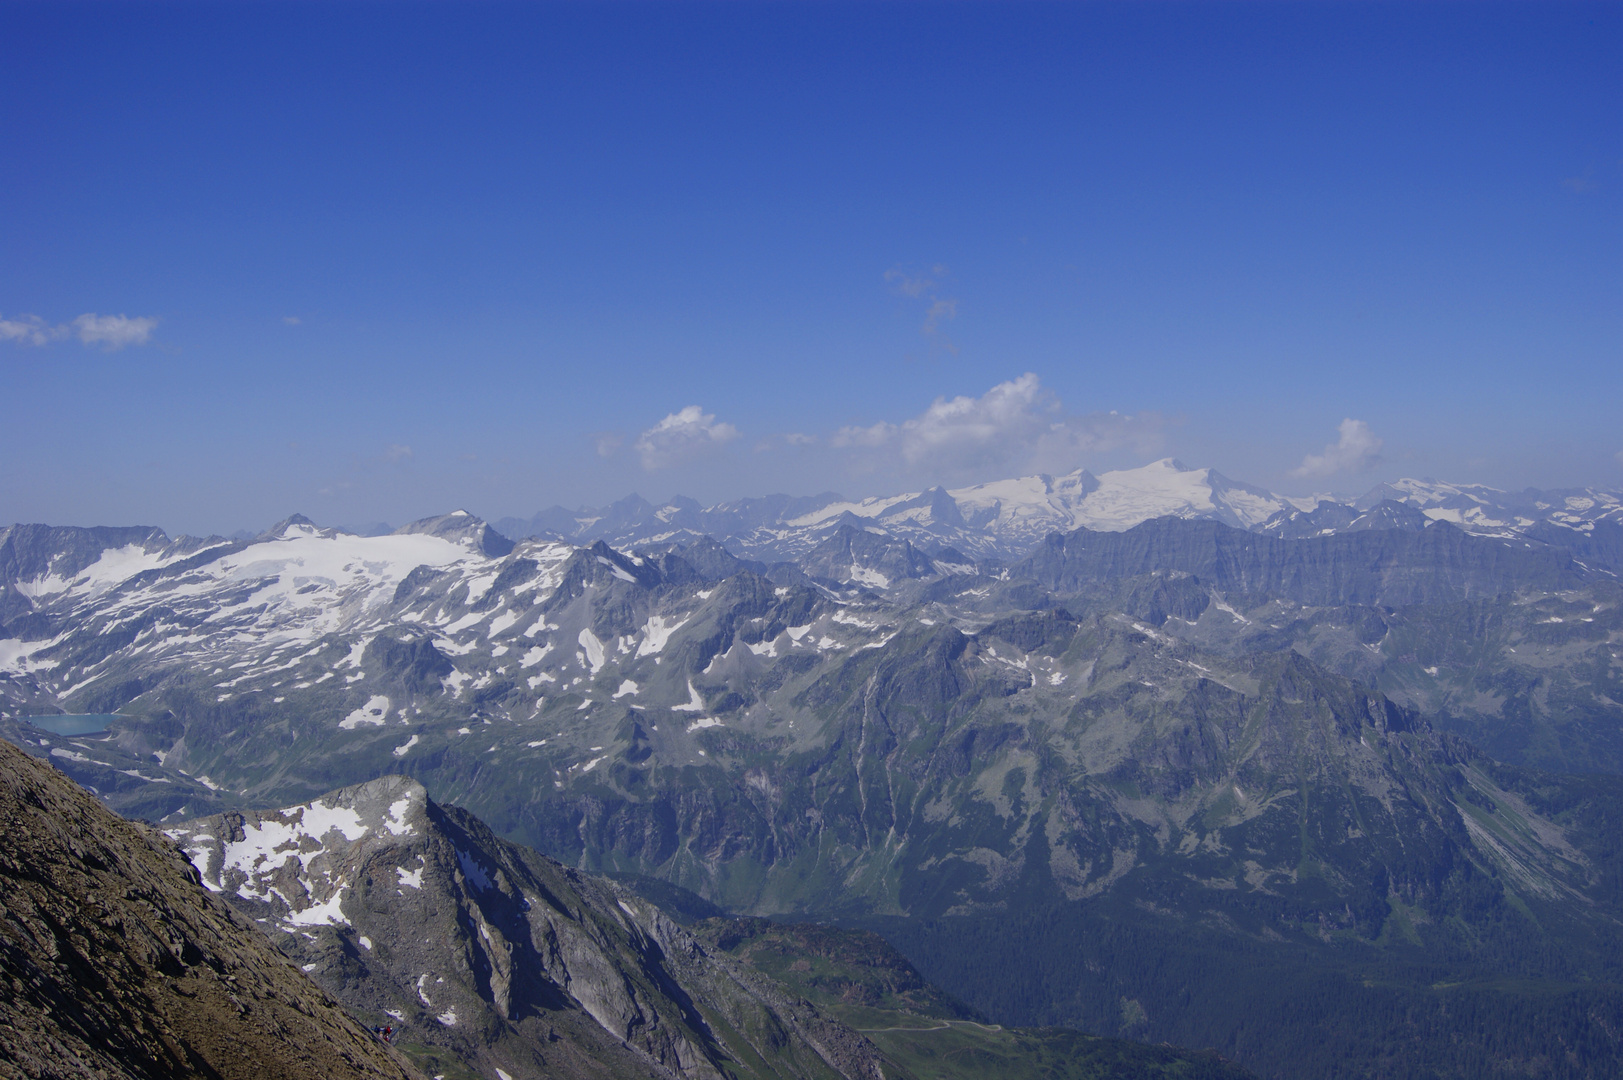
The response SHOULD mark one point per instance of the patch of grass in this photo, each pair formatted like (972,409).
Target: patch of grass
(964,1050)
(437,1061)
(856,976)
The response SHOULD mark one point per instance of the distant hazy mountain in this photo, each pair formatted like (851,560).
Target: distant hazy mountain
(1489,510)
(1007,518)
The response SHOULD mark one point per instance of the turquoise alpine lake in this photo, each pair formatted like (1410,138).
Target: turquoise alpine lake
(72,723)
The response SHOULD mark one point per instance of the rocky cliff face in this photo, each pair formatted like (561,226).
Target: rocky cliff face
(116,963)
(417,915)
(1389,566)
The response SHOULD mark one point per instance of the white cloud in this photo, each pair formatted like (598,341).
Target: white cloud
(1016,424)
(396,452)
(1356,450)
(681,435)
(111,332)
(30,330)
(878,435)
(292,320)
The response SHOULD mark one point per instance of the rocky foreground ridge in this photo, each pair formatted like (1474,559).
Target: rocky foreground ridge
(488,960)
(114,963)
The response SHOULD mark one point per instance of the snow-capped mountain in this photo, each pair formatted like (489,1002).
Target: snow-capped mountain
(1000,519)
(80,606)
(1005,519)
(1482,509)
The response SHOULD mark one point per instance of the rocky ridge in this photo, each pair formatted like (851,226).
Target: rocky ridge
(116,963)
(417,915)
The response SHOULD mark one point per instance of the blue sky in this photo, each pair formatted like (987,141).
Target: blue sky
(372,262)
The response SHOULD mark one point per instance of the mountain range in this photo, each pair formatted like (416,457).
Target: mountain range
(1005,518)
(1302,787)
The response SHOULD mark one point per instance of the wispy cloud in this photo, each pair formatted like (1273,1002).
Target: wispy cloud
(680,436)
(1356,450)
(30,330)
(111,332)
(1581,184)
(938,310)
(396,452)
(1017,424)
(292,320)
(779,441)
(914,285)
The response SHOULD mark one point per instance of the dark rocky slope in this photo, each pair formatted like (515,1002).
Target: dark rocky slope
(114,962)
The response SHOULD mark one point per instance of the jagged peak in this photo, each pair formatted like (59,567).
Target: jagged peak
(389,809)
(294,525)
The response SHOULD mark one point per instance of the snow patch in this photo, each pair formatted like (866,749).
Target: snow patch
(695,702)
(656,632)
(472,870)
(594,650)
(618,571)
(373,712)
(396,821)
(864,576)
(327,913)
